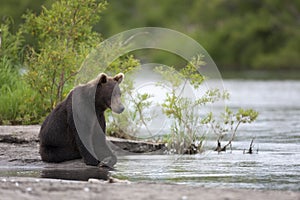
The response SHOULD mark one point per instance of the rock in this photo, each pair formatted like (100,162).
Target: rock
(19,134)
(135,146)
(28,134)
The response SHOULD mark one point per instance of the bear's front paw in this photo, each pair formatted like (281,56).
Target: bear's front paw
(92,162)
(105,167)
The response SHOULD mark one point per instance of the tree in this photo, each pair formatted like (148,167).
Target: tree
(14,9)
(10,44)
(237,34)
(64,37)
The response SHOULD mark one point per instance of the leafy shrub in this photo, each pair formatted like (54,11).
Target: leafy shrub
(11,45)
(189,124)
(229,125)
(186,133)
(65,37)
(18,102)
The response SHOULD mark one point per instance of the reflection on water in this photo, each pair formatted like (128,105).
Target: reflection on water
(76,174)
(79,174)
(277,138)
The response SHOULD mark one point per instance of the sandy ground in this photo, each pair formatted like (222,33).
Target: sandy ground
(30,188)
(19,148)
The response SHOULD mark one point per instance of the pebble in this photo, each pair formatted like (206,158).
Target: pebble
(86,189)
(110,180)
(93,180)
(115,180)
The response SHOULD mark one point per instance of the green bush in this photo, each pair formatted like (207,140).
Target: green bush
(64,38)
(19,104)
(228,126)
(11,44)
(186,132)
(188,125)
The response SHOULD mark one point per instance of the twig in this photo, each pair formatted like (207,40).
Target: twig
(250,151)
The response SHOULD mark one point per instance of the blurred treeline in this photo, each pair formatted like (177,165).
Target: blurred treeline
(239,35)
(41,50)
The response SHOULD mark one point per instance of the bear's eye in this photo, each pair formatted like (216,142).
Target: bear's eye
(116,95)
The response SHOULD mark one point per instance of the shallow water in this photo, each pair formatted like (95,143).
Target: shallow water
(275,163)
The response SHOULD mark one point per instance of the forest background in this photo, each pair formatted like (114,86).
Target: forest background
(246,39)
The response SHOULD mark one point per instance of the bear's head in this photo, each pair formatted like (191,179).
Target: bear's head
(108,93)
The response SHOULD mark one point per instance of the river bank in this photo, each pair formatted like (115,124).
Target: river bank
(31,188)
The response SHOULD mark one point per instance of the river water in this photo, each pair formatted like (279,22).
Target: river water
(275,163)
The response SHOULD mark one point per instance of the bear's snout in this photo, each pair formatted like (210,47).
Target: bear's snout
(116,104)
(118,109)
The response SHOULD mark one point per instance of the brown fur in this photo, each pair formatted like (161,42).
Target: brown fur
(59,140)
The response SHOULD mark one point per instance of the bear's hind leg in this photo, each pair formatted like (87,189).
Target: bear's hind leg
(58,154)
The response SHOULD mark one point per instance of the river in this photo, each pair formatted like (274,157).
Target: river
(275,163)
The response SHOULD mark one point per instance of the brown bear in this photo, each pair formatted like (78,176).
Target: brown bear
(58,136)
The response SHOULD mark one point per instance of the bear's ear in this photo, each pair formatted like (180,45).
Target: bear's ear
(119,77)
(102,78)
